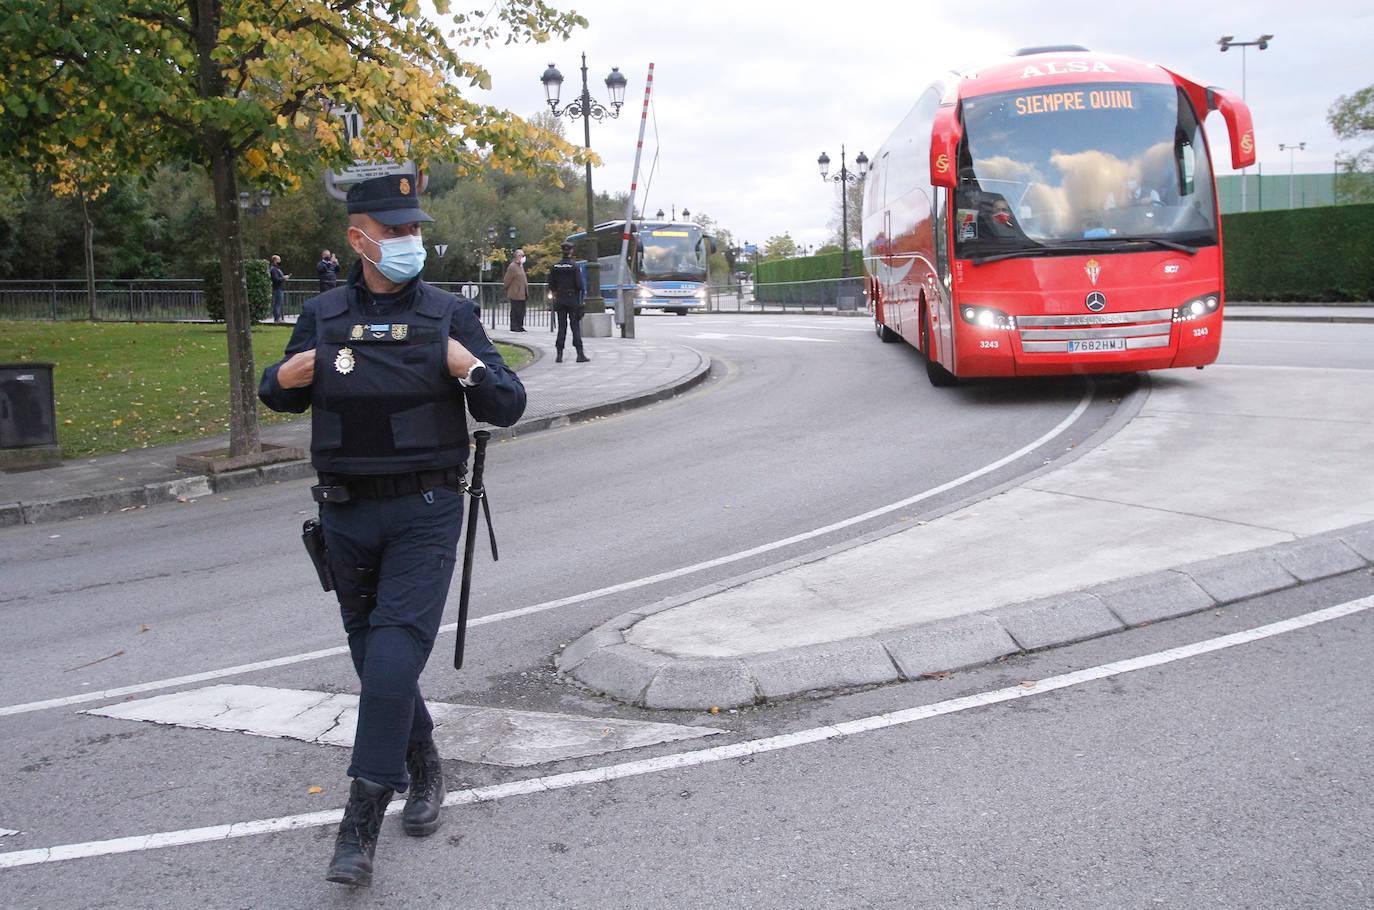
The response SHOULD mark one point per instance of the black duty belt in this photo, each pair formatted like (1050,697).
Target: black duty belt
(343,487)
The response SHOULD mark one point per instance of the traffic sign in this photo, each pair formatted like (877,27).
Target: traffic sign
(362,169)
(441,249)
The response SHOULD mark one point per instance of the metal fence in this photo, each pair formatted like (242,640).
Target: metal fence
(830,294)
(144,301)
(183,300)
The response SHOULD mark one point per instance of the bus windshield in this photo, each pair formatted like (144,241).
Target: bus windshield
(672,251)
(1071,167)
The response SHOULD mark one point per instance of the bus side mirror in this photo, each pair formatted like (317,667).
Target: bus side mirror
(1239,125)
(945,134)
(712,242)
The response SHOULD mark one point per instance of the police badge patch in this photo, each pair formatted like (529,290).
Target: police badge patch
(356,333)
(400,331)
(344,362)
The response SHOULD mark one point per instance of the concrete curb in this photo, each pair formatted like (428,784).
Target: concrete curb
(192,486)
(1265,317)
(605,662)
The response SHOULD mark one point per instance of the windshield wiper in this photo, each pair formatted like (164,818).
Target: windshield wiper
(1167,244)
(1087,246)
(1031,251)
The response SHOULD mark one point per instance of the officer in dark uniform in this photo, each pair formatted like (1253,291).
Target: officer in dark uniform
(386,364)
(568,288)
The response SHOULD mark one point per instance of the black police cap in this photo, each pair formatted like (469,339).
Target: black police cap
(393,199)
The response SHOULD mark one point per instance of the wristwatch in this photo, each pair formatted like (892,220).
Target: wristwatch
(476,372)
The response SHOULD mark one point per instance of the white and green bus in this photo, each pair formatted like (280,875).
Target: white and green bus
(667,268)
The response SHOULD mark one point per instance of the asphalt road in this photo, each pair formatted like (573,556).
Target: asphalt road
(1228,779)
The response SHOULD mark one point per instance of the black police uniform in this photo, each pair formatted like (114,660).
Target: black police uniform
(388,426)
(565,282)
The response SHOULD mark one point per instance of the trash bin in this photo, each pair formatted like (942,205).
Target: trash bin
(28,416)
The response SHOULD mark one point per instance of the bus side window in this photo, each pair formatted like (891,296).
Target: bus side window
(940,227)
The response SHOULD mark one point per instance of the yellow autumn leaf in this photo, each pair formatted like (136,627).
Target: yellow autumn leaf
(314,790)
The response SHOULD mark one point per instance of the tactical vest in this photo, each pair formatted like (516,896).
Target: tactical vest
(563,277)
(382,400)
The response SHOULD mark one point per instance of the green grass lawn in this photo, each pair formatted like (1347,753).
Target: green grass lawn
(122,386)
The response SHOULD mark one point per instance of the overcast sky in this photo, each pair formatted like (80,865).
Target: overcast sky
(748,94)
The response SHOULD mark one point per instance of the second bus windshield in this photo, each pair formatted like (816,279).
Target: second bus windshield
(672,252)
(1094,162)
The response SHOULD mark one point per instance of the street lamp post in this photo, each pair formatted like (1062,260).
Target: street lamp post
(1226,42)
(844,178)
(588,108)
(486,254)
(1290,147)
(253,205)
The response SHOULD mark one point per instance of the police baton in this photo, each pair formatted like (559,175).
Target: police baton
(478,496)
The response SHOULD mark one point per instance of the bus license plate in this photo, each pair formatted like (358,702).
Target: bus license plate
(1097,344)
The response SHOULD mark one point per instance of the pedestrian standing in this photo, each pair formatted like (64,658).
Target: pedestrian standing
(278,288)
(328,271)
(568,288)
(386,364)
(517,290)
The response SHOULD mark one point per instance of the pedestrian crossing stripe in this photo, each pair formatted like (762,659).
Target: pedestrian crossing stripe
(493,736)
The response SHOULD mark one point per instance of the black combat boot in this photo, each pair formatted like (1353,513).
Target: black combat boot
(582,358)
(558,355)
(357,837)
(421,814)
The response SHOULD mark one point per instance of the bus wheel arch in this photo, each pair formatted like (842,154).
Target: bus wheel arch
(939,377)
(885,334)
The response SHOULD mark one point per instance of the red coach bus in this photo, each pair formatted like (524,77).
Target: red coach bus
(1052,213)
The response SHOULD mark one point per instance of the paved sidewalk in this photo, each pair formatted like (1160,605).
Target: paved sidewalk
(1225,485)
(1299,312)
(623,373)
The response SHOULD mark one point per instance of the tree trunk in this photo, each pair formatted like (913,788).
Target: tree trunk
(206,16)
(243,400)
(88,247)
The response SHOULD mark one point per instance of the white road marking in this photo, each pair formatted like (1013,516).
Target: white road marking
(707,756)
(723,336)
(6,832)
(206,676)
(834,325)
(471,733)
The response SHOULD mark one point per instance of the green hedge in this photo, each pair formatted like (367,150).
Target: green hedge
(259,279)
(1301,254)
(809,268)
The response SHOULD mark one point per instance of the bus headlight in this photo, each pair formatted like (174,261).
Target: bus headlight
(701,294)
(985,317)
(1198,307)
(645,293)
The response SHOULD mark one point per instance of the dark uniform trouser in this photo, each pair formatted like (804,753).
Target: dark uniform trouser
(393,561)
(569,313)
(278,299)
(517,315)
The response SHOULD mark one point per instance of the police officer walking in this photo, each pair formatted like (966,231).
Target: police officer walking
(386,364)
(565,281)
